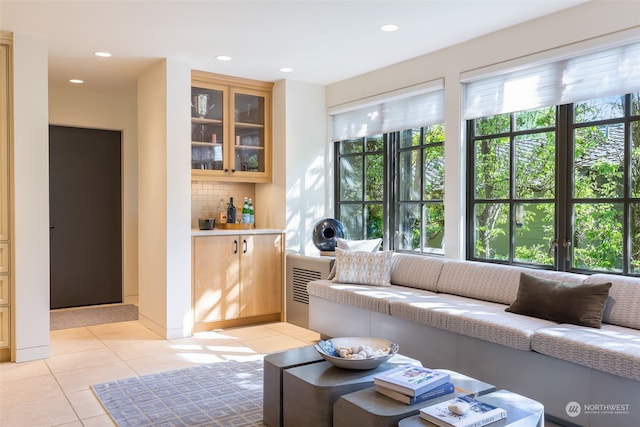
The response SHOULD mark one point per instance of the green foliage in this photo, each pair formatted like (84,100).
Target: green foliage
(598,173)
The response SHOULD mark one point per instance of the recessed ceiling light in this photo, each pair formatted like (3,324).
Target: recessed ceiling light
(389,28)
(286,69)
(76,81)
(102,54)
(223,58)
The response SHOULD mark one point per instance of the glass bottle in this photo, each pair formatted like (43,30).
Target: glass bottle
(231,212)
(252,218)
(222,212)
(245,211)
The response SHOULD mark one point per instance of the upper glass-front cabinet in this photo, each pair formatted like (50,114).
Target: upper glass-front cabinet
(230,128)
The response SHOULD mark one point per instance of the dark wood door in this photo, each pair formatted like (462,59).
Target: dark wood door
(85,220)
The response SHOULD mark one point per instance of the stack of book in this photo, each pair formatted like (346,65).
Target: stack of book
(413,384)
(474,413)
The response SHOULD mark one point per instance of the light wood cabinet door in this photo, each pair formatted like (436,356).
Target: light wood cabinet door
(261,274)
(230,128)
(216,287)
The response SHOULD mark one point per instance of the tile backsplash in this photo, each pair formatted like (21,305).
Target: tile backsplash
(206,195)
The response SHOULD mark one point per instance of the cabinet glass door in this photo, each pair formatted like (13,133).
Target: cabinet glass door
(207,131)
(249,131)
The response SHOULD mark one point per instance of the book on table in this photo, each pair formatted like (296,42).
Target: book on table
(441,390)
(411,380)
(478,415)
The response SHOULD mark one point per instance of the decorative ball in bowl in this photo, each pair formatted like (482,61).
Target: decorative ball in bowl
(357,352)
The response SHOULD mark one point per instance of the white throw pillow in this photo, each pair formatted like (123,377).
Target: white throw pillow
(372,245)
(363,268)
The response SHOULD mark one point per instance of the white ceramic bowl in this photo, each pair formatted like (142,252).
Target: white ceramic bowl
(361,364)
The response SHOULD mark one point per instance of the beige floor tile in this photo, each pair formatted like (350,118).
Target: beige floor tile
(249,332)
(49,411)
(123,333)
(71,340)
(137,349)
(274,343)
(81,359)
(17,371)
(26,389)
(76,380)
(86,404)
(171,361)
(285,328)
(101,421)
(309,337)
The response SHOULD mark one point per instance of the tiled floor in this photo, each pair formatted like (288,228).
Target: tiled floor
(55,391)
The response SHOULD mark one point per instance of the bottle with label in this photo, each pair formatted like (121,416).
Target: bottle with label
(222,212)
(245,211)
(231,212)
(252,218)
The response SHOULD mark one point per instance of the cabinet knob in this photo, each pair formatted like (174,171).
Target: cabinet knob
(233,170)
(235,246)
(244,246)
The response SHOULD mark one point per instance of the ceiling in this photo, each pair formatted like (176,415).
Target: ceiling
(323,41)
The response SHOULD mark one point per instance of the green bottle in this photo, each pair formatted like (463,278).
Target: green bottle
(245,211)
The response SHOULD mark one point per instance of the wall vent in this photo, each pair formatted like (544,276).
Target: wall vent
(300,270)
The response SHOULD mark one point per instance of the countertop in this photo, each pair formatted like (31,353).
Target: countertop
(220,232)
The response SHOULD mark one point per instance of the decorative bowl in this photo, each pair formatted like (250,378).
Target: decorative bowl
(327,350)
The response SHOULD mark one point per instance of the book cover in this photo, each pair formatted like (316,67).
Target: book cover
(411,380)
(441,390)
(479,414)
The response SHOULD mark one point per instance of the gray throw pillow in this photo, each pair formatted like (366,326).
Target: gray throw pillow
(561,302)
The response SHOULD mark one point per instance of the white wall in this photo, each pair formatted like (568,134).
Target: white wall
(78,106)
(30,193)
(164,199)
(567,30)
(301,120)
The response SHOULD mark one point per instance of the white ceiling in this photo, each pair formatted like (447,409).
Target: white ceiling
(323,41)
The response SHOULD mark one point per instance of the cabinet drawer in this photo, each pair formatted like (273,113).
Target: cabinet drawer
(5,340)
(4,257)
(5,286)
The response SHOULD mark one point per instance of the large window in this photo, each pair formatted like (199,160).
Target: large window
(557,187)
(391,186)
(389,164)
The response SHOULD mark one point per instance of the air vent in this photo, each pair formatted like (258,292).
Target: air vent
(302,269)
(300,279)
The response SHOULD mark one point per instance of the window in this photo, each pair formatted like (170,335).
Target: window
(391,186)
(553,162)
(420,189)
(557,187)
(361,195)
(389,165)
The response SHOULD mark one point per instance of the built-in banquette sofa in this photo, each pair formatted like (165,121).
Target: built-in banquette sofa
(452,314)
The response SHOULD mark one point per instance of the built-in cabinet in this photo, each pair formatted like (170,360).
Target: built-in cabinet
(230,128)
(5,229)
(237,279)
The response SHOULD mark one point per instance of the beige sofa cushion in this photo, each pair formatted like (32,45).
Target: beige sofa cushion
(612,349)
(479,319)
(416,271)
(373,298)
(623,306)
(492,282)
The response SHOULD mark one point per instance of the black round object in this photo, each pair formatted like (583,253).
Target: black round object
(326,232)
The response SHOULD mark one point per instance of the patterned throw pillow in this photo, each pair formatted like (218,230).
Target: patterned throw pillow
(363,268)
(372,245)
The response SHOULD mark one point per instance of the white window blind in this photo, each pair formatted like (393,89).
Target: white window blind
(614,71)
(397,114)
